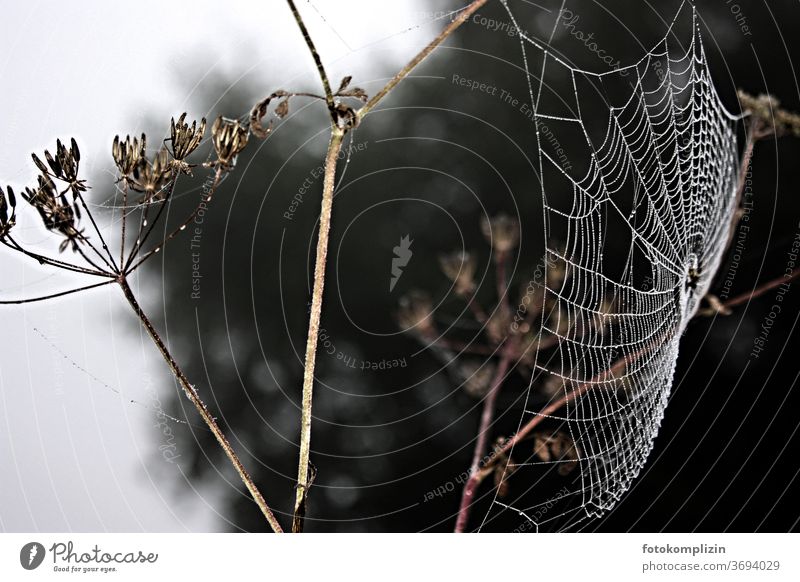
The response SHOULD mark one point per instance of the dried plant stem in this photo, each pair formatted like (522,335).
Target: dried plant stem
(477,476)
(315,55)
(423,54)
(202,409)
(484,432)
(334,148)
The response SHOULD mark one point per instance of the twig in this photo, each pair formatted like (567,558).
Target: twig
(760,290)
(405,71)
(202,409)
(484,432)
(509,353)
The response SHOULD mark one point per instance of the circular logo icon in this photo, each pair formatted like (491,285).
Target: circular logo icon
(31,555)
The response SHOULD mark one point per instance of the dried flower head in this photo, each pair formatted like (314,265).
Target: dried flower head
(416,313)
(558,447)
(185,138)
(477,378)
(459,267)
(127,154)
(7,221)
(65,165)
(152,177)
(230,138)
(56,212)
(498,326)
(502,232)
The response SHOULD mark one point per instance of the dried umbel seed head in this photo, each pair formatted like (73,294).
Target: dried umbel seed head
(230,138)
(64,166)
(184,138)
(151,178)
(502,232)
(459,267)
(7,221)
(477,378)
(56,212)
(127,154)
(415,314)
(558,447)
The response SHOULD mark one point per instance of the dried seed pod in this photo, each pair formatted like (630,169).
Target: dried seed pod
(230,138)
(7,221)
(415,314)
(459,267)
(65,166)
(502,232)
(127,154)
(185,139)
(56,212)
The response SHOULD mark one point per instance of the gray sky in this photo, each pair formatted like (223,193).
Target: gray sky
(74,453)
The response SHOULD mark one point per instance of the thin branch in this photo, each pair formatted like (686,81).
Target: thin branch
(43,260)
(202,409)
(484,432)
(334,148)
(405,71)
(54,295)
(761,289)
(317,60)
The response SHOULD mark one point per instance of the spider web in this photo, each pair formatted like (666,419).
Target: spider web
(642,212)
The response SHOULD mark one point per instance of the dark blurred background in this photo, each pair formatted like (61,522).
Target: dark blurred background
(432,161)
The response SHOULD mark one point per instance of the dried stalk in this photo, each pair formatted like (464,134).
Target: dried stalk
(202,409)
(335,146)
(338,131)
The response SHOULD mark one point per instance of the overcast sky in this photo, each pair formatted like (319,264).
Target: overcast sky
(75,454)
